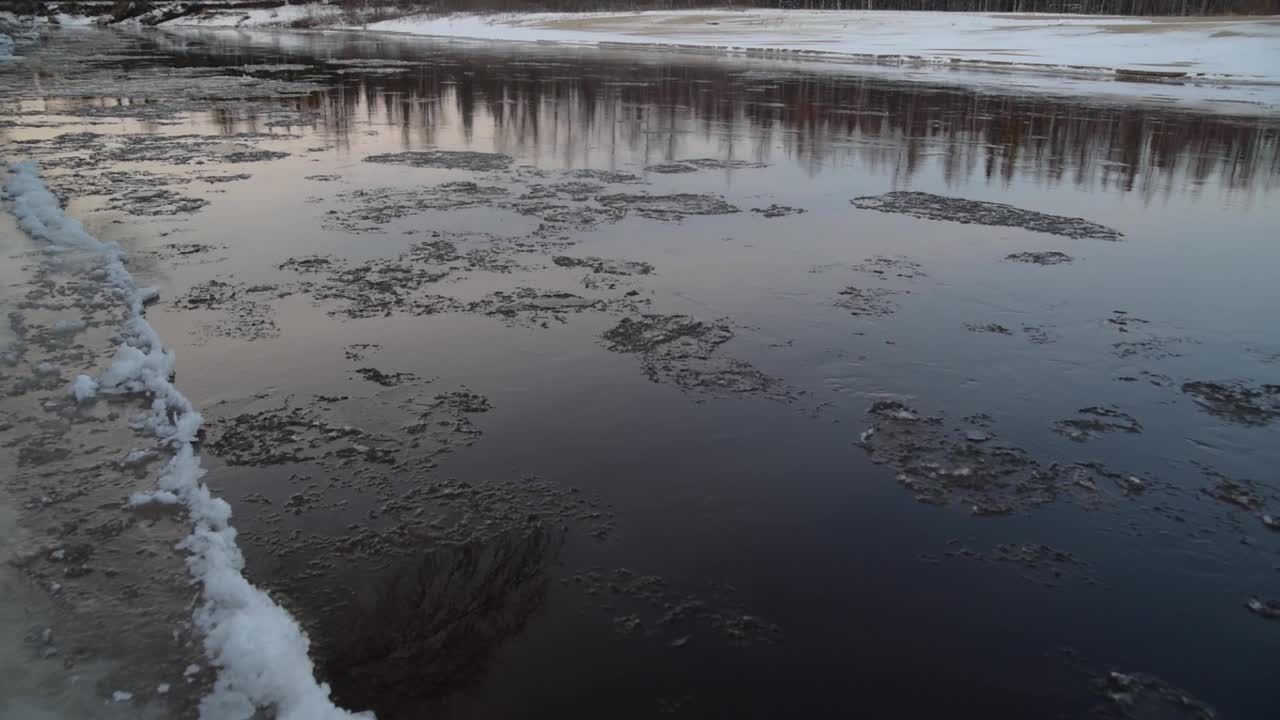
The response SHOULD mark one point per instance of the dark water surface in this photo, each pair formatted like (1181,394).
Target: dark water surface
(538,523)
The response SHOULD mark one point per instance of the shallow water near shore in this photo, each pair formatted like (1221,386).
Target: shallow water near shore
(571,383)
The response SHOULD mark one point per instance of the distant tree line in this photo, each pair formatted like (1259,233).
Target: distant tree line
(1083,7)
(120,9)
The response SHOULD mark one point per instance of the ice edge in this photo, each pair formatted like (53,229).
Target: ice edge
(259,649)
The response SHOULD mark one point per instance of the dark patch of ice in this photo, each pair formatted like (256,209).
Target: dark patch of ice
(897,265)
(939,207)
(868,302)
(1135,696)
(1269,609)
(1038,335)
(220,179)
(656,609)
(294,435)
(684,351)
(1043,564)
(604,265)
(777,211)
(157,201)
(941,466)
(447,159)
(696,164)
(608,177)
(1237,402)
(671,169)
(536,306)
(1243,494)
(385,379)
(668,207)
(991,328)
(1095,421)
(359,351)
(244,312)
(1048,257)
(379,206)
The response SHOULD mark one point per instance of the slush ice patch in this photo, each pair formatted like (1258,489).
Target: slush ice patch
(939,207)
(447,159)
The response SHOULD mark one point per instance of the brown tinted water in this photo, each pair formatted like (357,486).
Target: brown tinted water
(540,381)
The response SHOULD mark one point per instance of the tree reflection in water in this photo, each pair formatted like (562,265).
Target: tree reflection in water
(428,625)
(579,108)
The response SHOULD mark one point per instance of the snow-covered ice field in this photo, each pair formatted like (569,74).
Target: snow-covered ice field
(1241,48)
(1227,64)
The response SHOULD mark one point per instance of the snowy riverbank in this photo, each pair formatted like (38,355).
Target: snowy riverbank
(1240,49)
(1224,49)
(259,649)
(1220,65)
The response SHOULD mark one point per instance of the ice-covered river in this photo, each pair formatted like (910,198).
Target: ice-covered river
(551,382)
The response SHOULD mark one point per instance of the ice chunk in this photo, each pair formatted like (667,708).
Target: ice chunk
(141,456)
(158,497)
(84,388)
(67,327)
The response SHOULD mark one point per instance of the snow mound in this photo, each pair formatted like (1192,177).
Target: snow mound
(259,649)
(84,388)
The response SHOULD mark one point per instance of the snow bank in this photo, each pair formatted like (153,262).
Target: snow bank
(15,28)
(1242,48)
(259,649)
(300,15)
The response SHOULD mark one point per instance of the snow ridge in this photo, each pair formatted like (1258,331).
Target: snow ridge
(259,649)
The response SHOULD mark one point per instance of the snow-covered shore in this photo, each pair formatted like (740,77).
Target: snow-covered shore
(1241,49)
(1227,65)
(1223,49)
(259,650)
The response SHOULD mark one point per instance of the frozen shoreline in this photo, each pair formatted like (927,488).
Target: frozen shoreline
(1218,64)
(1233,49)
(1241,50)
(260,651)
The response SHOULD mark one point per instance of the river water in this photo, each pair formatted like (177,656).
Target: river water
(552,382)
